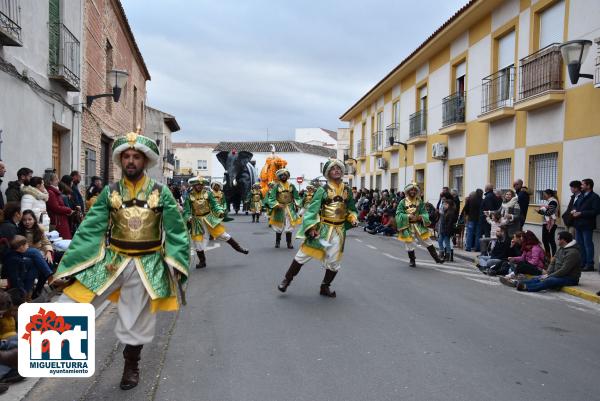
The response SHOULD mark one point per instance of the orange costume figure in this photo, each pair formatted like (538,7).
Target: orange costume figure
(267,174)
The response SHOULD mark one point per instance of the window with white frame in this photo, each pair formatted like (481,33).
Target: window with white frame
(420,179)
(552,24)
(378,182)
(500,174)
(543,174)
(456,178)
(202,164)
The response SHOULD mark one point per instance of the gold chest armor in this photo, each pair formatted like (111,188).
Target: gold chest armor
(334,208)
(284,196)
(411,206)
(200,203)
(135,226)
(308,198)
(255,196)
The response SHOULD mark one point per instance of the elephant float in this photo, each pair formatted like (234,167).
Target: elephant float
(240,175)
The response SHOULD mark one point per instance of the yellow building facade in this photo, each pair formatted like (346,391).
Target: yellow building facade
(486,98)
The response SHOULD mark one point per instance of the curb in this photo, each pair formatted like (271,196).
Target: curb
(574,291)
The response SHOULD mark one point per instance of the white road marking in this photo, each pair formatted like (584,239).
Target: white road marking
(394,257)
(358,240)
(488,282)
(371,246)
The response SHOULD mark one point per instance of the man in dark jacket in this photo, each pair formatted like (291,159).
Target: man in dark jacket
(523,197)
(13,192)
(567,217)
(490,203)
(563,270)
(584,213)
(471,214)
(77,198)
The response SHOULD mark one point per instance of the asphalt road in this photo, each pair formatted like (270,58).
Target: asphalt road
(392,333)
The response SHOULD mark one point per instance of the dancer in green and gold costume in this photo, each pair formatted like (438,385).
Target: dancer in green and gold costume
(329,215)
(132,248)
(412,220)
(255,200)
(283,200)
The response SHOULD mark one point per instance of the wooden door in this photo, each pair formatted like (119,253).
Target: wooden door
(56,151)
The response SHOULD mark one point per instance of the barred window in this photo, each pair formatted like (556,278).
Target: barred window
(500,175)
(378,182)
(543,173)
(202,165)
(362,182)
(394,181)
(456,178)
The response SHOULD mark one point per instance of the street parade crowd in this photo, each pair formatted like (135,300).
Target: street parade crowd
(129,241)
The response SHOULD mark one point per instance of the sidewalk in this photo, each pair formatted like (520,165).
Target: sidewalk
(589,283)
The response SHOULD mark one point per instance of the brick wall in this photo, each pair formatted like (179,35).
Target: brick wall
(104,22)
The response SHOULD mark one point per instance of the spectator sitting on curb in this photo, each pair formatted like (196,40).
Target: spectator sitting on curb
(503,267)
(531,260)
(8,343)
(564,270)
(500,251)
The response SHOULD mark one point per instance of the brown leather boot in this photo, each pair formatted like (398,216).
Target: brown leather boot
(434,254)
(131,371)
(288,239)
(237,246)
(201,260)
(289,276)
(325,291)
(277,239)
(412,258)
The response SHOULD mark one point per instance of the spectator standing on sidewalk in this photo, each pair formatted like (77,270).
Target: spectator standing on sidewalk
(490,203)
(446,225)
(510,213)
(471,214)
(567,217)
(445,194)
(550,212)
(523,196)
(13,192)
(77,197)
(584,213)
(34,198)
(58,211)
(563,270)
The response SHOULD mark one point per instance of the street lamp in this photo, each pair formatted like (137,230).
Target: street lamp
(574,53)
(117,79)
(393,142)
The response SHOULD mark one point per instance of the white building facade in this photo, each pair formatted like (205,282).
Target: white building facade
(317,136)
(40,59)
(194,158)
(160,126)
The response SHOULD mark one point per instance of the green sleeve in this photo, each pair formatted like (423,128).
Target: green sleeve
(215,206)
(401,216)
(177,242)
(297,198)
(271,198)
(351,206)
(423,213)
(312,213)
(87,246)
(187,208)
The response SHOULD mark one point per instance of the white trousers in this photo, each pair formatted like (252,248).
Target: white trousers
(135,322)
(287,225)
(202,245)
(331,261)
(410,246)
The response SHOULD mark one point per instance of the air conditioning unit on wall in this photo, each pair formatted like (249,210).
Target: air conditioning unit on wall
(439,151)
(381,163)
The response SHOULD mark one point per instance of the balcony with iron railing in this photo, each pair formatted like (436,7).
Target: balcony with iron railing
(417,131)
(10,23)
(360,149)
(453,113)
(377,142)
(392,131)
(497,98)
(64,57)
(541,79)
